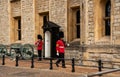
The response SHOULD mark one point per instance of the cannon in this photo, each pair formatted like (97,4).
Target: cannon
(25,51)
(3,50)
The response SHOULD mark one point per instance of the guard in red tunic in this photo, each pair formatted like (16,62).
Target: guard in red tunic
(60,48)
(39,44)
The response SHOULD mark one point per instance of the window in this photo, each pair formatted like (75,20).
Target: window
(16,29)
(74,24)
(19,29)
(107,18)
(42,18)
(78,23)
(102,20)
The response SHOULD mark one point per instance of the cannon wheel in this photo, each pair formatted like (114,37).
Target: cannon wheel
(13,51)
(27,51)
(3,50)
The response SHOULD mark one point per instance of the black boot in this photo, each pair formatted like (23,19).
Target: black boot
(63,66)
(39,59)
(57,64)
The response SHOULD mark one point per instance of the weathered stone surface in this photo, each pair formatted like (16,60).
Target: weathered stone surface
(62,13)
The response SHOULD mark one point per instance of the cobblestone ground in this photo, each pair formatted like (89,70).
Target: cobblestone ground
(41,69)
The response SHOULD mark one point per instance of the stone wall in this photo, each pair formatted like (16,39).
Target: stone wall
(28,21)
(116,22)
(16,8)
(74,3)
(109,55)
(90,24)
(104,53)
(90,55)
(42,6)
(74,52)
(41,9)
(4,22)
(58,12)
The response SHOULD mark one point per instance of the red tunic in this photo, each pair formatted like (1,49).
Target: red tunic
(39,45)
(60,46)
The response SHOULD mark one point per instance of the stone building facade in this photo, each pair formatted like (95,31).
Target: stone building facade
(92,23)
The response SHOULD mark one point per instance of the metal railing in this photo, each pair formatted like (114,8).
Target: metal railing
(103,72)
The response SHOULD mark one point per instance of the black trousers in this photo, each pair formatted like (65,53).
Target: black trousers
(40,54)
(61,58)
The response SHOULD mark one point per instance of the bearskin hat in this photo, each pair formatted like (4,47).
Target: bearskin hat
(61,34)
(39,37)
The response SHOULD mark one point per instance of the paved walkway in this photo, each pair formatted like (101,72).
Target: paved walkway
(6,71)
(41,69)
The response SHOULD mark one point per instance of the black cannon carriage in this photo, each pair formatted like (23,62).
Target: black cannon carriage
(25,51)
